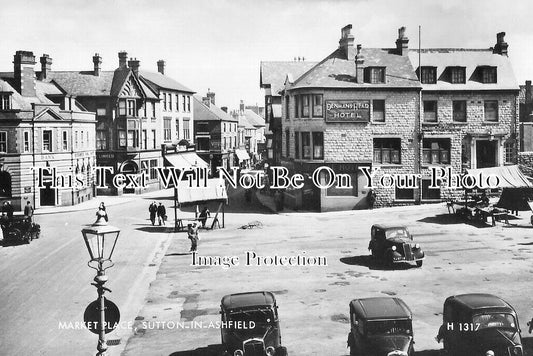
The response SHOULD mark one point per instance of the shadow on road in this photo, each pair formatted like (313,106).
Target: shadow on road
(178,254)
(210,350)
(449,219)
(429,353)
(371,263)
(156,229)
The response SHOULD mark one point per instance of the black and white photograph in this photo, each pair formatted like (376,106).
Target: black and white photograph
(266,178)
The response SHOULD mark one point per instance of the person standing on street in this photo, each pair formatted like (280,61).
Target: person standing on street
(28,212)
(8,208)
(204,214)
(192,234)
(101,214)
(153,211)
(161,214)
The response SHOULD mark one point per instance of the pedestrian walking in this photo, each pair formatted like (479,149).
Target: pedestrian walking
(8,208)
(161,214)
(204,214)
(192,234)
(153,211)
(101,215)
(371,199)
(28,212)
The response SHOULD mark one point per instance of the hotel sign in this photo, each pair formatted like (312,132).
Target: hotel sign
(347,110)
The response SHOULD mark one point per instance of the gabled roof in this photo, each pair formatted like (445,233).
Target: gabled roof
(272,74)
(336,71)
(203,112)
(471,59)
(253,118)
(84,83)
(162,81)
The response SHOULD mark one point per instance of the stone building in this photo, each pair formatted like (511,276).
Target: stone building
(399,112)
(47,139)
(525,99)
(215,133)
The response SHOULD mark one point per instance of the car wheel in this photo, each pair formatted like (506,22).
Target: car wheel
(419,263)
(282,351)
(27,238)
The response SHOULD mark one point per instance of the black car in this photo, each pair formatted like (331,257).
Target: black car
(250,325)
(19,229)
(380,326)
(394,244)
(474,324)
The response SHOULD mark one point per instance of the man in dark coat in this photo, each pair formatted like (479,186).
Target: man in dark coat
(28,212)
(161,214)
(153,211)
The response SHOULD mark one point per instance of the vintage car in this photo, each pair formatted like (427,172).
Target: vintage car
(19,230)
(474,324)
(394,244)
(250,325)
(380,326)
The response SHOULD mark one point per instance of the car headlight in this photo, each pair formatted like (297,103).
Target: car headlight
(270,351)
(397,353)
(417,246)
(489,353)
(393,248)
(238,353)
(516,351)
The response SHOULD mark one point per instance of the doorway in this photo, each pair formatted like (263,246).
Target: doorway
(486,153)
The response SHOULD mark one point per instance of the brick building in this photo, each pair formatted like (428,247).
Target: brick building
(380,108)
(42,128)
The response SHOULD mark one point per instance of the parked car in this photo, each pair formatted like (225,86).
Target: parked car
(393,244)
(250,325)
(474,324)
(19,229)
(380,326)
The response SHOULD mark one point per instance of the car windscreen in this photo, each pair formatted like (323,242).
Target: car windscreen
(494,320)
(389,327)
(258,316)
(398,233)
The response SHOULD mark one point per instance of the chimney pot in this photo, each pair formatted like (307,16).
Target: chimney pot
(134,65)
(528,97)
(161,66)
(211,96)
(97,61)
(122,59)
(346,42)
(501,46)
(46,66)
(402,43)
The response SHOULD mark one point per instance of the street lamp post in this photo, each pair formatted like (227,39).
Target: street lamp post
(100,240)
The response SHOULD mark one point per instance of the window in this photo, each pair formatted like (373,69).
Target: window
(186,129)
(188,103)
(203,143)
(318,105)
(154,138)
(101,112)
(378,110)
(318,145)
(153,169)
(131,108)
(133,138)
(81,139)
(27,141)
(377,75)
(430,111)
(429,75)
(167,134)
(223,127)
(491,110)
(297,145)
(5,102)
(144,138)
(101,140)
(405,194)
(436,151)
(122,108)
(224,143)
(3,141)
(177,129)
(459,110)
(76,142)
(184,102)
(306,145)
(458,75)
(305,105)
(177,102)
(296,106)
(122,138)
(153,110)
(429,193)
(287,106)
(287,143)
(165,101)
(488,75)
(47,140)
(387,150)
(510,152)
(169,102)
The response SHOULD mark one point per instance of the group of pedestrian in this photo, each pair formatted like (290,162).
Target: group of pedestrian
(158,211)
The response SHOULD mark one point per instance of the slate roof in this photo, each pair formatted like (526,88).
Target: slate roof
(470,59)
(335,71)
(253,118)
(273,74)
(203,112)
(84,83)
(162,81)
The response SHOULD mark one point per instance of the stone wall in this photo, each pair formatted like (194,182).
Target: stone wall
(525,162)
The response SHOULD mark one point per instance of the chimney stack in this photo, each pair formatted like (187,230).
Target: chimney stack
(241,107)
(24,73)
(346,42)
(46,66)
(161,66)
(97,61)
(134,65)
(402,43)
(501,46)
(122,59)
(528,98)
(359,69)
(211,96)
(206,101)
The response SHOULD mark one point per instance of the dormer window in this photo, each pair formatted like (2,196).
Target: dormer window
(429,75)
(488,75)
(457,75)
(5,101)
(376,75)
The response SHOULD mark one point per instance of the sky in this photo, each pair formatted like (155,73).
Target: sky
(219,44)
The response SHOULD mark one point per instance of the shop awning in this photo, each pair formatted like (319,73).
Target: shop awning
(215,190)
(185,160)
(510,176)
(242,155)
